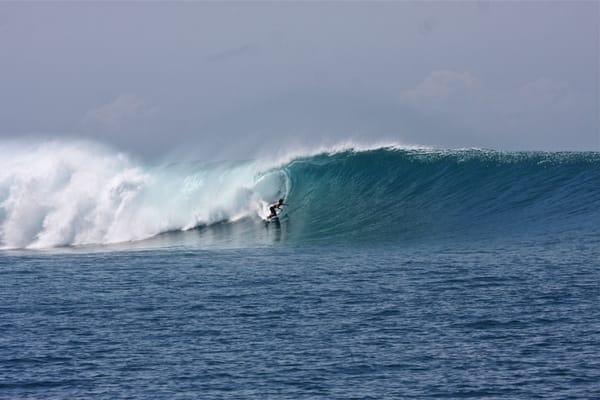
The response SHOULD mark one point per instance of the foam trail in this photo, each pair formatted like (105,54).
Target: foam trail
(56,194)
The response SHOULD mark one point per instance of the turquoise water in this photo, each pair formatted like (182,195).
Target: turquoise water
(440,274)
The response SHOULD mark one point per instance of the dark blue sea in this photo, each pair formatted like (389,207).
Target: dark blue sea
(390,274)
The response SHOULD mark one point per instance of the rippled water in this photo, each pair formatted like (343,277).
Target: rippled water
(494,320)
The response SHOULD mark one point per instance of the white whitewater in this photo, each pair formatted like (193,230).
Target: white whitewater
(58,194)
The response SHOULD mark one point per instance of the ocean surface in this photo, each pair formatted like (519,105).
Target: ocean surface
(392,273)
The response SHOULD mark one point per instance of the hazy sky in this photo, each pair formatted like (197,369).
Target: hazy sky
(230,79)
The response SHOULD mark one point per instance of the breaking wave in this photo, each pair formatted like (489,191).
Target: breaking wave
(65,194)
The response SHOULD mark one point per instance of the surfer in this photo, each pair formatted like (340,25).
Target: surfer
(274,207)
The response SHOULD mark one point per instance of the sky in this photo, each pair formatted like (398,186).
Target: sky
(235,80)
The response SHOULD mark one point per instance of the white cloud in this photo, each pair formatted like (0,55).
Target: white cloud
(122,110)
(442,85)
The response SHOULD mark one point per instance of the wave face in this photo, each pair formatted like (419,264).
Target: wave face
(387,194)
(58,194)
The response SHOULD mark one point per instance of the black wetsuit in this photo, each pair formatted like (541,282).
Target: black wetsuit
(273,212)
